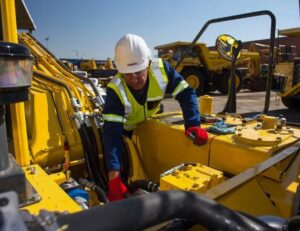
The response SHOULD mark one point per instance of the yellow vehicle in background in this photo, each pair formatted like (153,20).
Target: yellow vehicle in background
(102,71)
(287,69)
(55,175)
(203,69)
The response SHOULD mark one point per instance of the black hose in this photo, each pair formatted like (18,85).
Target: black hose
(100,133)
(138,213)
(125,163)
(87,138)
(86,156)
(99,192)
(95,157)
(90,157)
(294,224)
(146,185)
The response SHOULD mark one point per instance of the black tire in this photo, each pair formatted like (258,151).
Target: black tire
(223,82)
(291,103)
(257,84)
(195,78)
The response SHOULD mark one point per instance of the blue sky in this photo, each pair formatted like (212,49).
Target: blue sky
(90,28)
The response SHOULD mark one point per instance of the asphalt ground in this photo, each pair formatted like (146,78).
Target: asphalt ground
(248,104)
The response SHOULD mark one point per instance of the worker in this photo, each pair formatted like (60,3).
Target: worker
(134,95)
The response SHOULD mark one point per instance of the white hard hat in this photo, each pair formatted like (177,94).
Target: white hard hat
(132,54)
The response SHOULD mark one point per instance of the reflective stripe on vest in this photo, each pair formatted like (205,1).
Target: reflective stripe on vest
(124,99)
(161,76)
(113,118)
(180,87)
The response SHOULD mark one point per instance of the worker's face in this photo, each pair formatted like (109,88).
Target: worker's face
(136,80)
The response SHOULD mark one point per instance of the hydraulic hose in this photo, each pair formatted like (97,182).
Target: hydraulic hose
(99,192)
(100,133)
(141,212)
(90,151)
(59,83)
(125,163)
(146,185)
(92,139)
(89,81)
(85,146)
(90,158)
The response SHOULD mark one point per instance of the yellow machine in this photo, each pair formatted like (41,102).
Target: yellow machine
(68,64)
(287,69)
(56,164)
(203,69)
(87,65)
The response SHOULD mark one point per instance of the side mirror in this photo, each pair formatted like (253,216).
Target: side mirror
(225,45)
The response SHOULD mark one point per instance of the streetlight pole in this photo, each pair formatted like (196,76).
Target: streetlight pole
(76,51)
(47,39)
(82,54)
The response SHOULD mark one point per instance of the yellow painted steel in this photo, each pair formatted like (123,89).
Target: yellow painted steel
(9,27)
(46,144)
(250,198)
(258,166)
(164,146)
(58,178)
(195,178)
(53,197)
(248,170)
(281,194)
(136,171)
(49,64)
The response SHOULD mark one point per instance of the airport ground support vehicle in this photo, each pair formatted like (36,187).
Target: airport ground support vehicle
(245,178)
(287,70)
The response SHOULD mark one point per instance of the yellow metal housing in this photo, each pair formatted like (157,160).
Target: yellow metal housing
(53,198)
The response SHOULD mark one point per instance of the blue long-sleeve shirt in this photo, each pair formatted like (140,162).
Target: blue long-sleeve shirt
(113,131)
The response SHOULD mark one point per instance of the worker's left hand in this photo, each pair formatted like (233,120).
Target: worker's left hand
(199,135)
(117,190)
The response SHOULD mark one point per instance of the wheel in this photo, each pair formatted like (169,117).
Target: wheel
(223,82)
(195,79)
(291,102)
(257,84)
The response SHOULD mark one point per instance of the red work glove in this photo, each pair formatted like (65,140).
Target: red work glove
(116,189)
(199,135)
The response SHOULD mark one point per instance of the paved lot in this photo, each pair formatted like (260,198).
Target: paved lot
(248,103)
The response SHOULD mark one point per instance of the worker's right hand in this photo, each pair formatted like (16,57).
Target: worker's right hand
(116,189)
(199,135)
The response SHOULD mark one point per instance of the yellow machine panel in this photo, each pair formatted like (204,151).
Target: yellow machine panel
(51,195)
(191,177)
